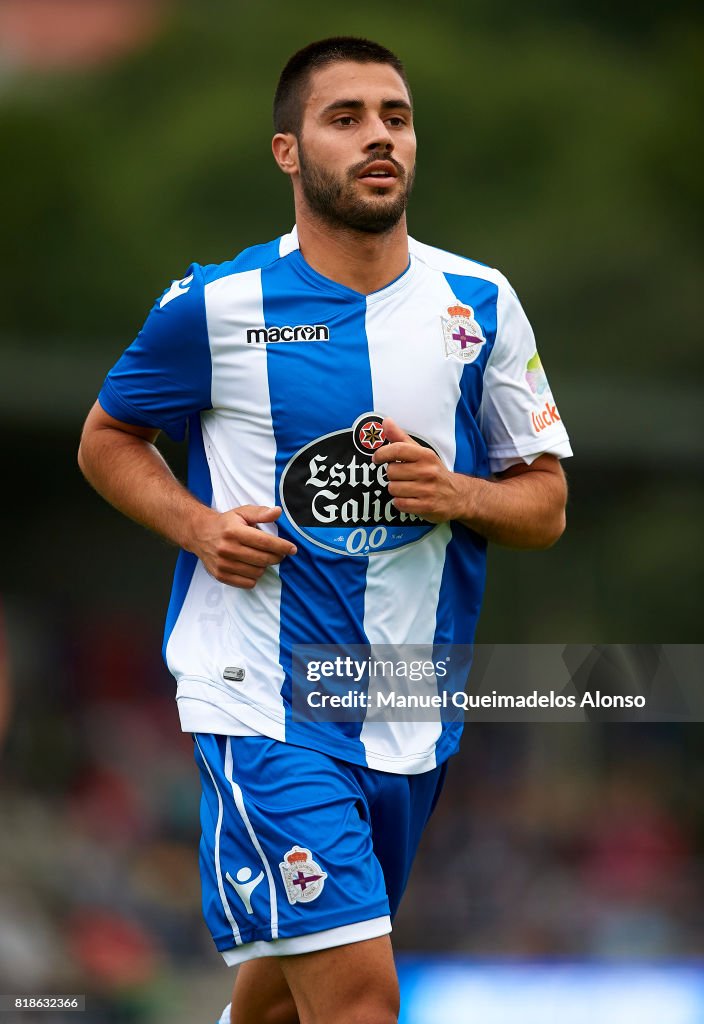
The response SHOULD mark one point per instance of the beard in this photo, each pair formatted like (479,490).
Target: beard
(336,200)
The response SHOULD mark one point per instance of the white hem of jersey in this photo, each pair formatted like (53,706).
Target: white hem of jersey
(557,446)
(198,713)
(498,463)
(226,1015)
(341,936)
(202,707)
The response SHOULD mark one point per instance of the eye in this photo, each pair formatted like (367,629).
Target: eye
(396,121)
(344,121)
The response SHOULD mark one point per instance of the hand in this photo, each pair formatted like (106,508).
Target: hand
(234,551)
(419,482)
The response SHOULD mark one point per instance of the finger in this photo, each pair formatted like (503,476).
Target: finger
(243,582)
(412,505)
(392,431)
(254,514)
(226,574)
(403,471)
(241,553)
(251,537)
(238,574)
(249,572)
(405,489)
(260,541)
(400,451)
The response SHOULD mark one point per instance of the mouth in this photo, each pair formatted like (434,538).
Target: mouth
(379,174)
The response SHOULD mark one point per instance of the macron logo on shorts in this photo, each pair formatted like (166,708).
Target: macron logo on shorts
(244,885)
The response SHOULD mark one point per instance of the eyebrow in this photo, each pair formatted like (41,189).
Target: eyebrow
(395,104)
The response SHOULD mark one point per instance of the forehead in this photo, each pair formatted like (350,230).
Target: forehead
(349,80)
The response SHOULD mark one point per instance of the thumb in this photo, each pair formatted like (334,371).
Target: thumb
(253,514)
(392,431)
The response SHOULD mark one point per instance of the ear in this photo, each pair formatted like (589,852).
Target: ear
(284,146)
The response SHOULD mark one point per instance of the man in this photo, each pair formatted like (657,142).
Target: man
(348,393)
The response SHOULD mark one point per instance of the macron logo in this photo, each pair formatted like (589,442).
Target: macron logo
(176,289)
(303,332)
(245,885)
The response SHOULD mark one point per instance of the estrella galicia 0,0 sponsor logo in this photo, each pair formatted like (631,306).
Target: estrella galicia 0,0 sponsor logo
(336,496)
(303,332)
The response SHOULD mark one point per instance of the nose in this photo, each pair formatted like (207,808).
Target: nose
(379,137)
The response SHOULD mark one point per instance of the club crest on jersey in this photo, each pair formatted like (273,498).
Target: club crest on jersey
(462,335)
(335,495)
(303,878)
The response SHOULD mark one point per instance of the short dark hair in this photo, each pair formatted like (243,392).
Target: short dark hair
(290,96)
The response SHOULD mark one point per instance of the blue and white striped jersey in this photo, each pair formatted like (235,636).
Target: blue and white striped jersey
(281,377)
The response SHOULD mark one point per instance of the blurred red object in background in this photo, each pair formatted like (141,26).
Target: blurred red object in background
(67,34)
(113,951)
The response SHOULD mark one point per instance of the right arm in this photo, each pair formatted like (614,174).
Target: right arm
(121,461)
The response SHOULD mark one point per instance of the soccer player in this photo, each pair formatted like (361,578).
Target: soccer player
(363,413)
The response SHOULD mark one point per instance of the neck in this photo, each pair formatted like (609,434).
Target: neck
(356,259)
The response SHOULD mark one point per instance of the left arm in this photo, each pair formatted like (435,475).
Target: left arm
(523,507)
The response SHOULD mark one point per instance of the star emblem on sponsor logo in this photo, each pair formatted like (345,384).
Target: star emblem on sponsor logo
(372,436)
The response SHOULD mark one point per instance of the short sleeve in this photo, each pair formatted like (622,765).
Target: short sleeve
(518,416)
(165,375)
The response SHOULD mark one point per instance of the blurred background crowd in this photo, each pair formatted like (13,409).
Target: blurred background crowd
(559,142)
(551,841)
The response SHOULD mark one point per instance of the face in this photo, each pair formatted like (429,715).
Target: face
(357,147)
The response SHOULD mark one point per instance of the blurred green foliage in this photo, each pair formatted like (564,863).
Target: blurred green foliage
(558,141)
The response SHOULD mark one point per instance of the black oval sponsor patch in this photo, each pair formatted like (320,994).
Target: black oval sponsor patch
(336,497)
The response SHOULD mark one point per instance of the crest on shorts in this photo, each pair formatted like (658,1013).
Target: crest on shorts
(303,878)
(462,334)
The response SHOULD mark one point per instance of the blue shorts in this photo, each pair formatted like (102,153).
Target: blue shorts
(299,850)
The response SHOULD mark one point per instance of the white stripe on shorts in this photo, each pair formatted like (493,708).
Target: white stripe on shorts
(218,872)
(239,802)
